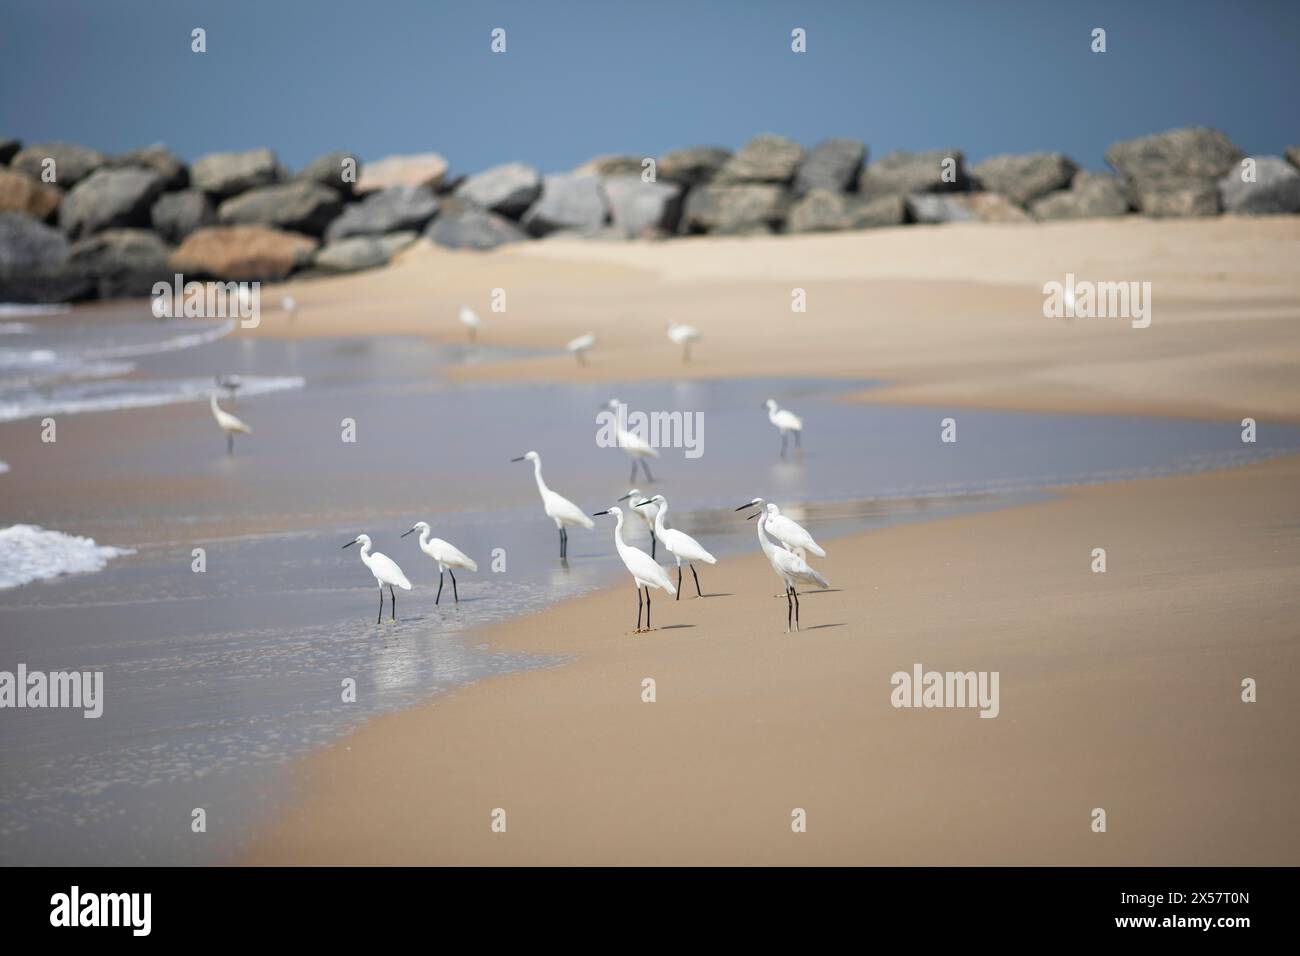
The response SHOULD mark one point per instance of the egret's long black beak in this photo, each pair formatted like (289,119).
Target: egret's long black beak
(626,496)
(520,458)
(348,545)
(597,514)
(747,504)
(754,515)
(646,502)
(405,533)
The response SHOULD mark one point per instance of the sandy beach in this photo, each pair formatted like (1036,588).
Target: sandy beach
(1119,691)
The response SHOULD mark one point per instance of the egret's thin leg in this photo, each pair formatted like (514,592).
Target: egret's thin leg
(798,437)
(796,608)
(789,611)
(698,592)
(679,582)
(647,607)
(650,479)
(454,592)
(439,595)
(394,596)
(783,441)
(380,619)
(561,542)
(638,608)
(230,444)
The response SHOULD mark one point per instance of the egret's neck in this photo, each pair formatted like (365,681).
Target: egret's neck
(766,545)
(424,539)
(212,400)
(537,473)
(618,533)
(659,518)
(365,554)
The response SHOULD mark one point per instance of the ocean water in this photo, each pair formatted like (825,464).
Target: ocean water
(215,681)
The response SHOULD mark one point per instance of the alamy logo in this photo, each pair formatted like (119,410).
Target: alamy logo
(209,300)
(36,689)
(922,688)
(1098,300)
(616,428)
(102,909)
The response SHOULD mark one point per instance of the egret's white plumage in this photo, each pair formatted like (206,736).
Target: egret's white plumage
(786,422)
(685,336)
(558,508)
(384,569)
(680,545)
(469,318)
(645,571)
(581,346)
(448,556)
(228,423)
(637,448)
(789,532)
(290,306)
(646,511)
(789,567)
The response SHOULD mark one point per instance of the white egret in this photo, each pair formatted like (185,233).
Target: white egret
(469,318)
(637,448)
(786,422)
(646,511)
(789,532)
(448,556)
(228,423)
(685,336)
(643,568)
(581,346)
(290,306)
(789,567)
(558,508)
(384,569)
(680,545)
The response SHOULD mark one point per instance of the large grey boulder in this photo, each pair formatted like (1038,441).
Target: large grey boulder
(33,263)
(575,203)
(361,252)
(691,166)
(328,170)
(1090,196)
(833,164)
(227,174)
(462,225)
(8,150)
(764,159)
(31,197)
(176,215)
(1024,178)
(299,206)
(827,210)
(121,262)
(72,163)
(1175,173)
(396,209)
(734,210)
(903,173)
(508,190)
(935,208)
(640,209)
(1293,155)
(158,158)
(109,199)
(1275,191)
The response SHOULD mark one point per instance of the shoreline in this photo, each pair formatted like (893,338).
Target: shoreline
(749,723)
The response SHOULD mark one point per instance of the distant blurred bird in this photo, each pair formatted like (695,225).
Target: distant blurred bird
(384,569)
(228,423)
(290,305)
(469,318)
(637,448)
(786,422)
(230,383)
(685,336)
(581,346)
(448,556)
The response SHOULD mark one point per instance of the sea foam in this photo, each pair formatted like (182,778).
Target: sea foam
(31,553)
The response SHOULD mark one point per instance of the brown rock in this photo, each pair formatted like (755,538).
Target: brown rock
(19,193)
(423,169)
(242,253)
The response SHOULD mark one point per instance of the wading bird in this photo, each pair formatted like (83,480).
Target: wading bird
(290,306)
(448,556)
(637,448)
(789,567)
(645,572)
(685,336)
(680,545)
(581,346)
(384,569)
(228,423)
(789,532)
(469,318)
(558,508)
(786,422)
(646,512)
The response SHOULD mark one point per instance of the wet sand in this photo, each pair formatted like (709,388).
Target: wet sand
(1118,690)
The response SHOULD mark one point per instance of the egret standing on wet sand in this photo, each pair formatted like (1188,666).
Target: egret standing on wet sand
(643,568)
(384,569)
(581,346)
(448,556)
(680,545)
(685,336)
(558,508)
(789,532)
(789,567)
(469,318)
(786,422)
(637,448)
(228,423)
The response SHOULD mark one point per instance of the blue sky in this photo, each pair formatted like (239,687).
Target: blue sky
(581,78)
